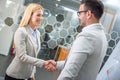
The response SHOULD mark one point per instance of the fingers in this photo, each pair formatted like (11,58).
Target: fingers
(50,65)
(32,78)
(52,62)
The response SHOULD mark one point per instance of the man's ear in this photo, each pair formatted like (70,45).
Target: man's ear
(89,14)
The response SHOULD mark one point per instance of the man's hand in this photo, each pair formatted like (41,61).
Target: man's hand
(50,65)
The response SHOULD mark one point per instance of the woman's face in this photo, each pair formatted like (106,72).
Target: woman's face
(36,18)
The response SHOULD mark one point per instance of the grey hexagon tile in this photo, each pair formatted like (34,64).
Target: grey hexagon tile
(63,33)
(52,43)
(51,20)
(57,26)
(69,39)
(46,13)
(105,58)
(61,41)
(114,35)
(48,28)
(9,21)
(54,34)
(60,17)
(45,37)
(66,24)
(67,46)
(71,31)
(27,2)
(111,43)
(109,50)
(75,22)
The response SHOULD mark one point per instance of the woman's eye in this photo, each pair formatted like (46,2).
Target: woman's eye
(39,15)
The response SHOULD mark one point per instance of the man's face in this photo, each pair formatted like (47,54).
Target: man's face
(82,15)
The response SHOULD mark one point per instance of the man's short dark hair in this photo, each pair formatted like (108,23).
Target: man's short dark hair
(95,6)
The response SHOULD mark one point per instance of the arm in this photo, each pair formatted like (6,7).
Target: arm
(22,53)
(81,48)
(72,67)
(60,65)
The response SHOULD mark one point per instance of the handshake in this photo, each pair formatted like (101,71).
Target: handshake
(50,65)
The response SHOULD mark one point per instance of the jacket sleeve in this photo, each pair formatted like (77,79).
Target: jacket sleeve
(60,65)
(81,48)
(71,70)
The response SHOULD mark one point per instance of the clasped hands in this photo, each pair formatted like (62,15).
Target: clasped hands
(50,65)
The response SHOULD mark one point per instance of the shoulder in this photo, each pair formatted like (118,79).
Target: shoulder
(87,35)
(21,31)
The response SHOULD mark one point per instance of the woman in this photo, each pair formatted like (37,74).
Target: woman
(27,44)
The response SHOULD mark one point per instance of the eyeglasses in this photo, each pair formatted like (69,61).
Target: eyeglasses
(79,12)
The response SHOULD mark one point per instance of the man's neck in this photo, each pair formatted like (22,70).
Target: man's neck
(92,22)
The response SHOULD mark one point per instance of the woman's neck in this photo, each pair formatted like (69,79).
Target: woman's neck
(32,26)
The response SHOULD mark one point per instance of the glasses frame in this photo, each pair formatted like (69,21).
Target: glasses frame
(79,12)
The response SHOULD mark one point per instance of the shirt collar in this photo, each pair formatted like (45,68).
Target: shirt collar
(93,26)
(32,31)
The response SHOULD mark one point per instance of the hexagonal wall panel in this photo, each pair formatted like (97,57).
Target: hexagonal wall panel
(48,28)
(66,24)
(46,13)
(54,34)
(63,33)
(75,22)
(109,50)
(114,35)
(105,58)
(71,31)
(69,39)
(57,26)
(111,43)
(67,46)
(59,17)
(8,21)
(45,37)
(52,43)
(51,20)
(27,2)
(61,41)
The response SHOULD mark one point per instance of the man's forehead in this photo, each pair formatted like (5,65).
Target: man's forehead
(81,7)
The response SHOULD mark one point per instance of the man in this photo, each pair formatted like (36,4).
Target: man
(89,48)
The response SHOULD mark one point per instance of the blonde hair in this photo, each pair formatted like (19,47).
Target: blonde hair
(28,13)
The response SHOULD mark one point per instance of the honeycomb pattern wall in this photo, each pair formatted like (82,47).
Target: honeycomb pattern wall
(61,32)
(57,29)
(112,38)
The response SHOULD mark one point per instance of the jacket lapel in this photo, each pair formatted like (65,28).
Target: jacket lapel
(31,38)
(39,44)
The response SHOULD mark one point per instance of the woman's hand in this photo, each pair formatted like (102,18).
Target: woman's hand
(32,78)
